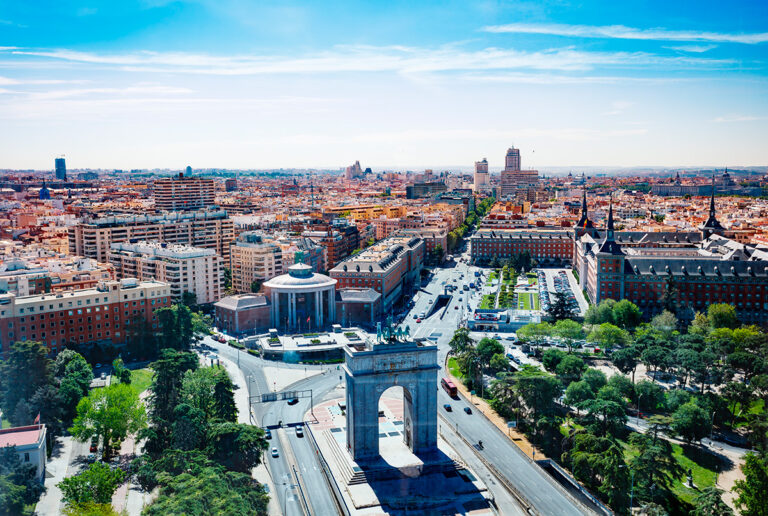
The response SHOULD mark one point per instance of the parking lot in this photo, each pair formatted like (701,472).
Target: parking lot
(560,280)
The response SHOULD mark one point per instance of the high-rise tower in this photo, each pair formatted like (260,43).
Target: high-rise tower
(61,169)
(512,160)
(481,179)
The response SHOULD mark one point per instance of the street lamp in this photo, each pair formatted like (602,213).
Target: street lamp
(286,486)
(632,488)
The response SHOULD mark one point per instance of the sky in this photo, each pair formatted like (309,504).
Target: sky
(394,84)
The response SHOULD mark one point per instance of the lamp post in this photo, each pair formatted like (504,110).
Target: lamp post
(632,488)
(286,486)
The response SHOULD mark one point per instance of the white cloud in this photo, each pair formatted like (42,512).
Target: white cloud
(398,59)
(623,32)
(618,107)
(737,118)
(697,49)
(7,81)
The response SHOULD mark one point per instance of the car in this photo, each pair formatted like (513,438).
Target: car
(456,307)
(98,366)
(91,458)
(415,316)
(447,407)
(274,453)
(293,401)
(268,433)
(94,445)
(103,376)
(467,410)
(299,432)
(418,320)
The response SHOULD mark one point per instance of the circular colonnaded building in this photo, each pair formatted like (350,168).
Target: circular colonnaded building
(301,300)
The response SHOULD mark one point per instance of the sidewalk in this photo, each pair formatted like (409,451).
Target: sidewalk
(129,496)
(55,472)
(260,472)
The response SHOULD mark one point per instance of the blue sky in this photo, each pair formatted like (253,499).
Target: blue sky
(230,83)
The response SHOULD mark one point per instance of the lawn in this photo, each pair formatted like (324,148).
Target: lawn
(453,367)
(140,380)
(488,301)
(528,301)
(492,276)
(6,424)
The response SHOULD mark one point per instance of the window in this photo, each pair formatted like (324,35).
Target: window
(26,456)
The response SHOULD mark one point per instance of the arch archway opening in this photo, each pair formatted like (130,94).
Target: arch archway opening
(396,426)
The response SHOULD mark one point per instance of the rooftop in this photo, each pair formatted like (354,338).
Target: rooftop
(22,436)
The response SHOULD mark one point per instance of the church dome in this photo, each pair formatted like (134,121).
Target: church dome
(300,275)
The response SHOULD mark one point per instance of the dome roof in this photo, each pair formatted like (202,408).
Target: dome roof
(300,275)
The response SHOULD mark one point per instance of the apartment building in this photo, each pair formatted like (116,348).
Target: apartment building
(546,246)
(253,258)
(184,268)
(514,181)
(208,229)
(391,267)
(99,315)
(37,275)
(184,193)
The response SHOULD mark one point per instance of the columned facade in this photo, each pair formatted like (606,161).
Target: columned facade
(302,301)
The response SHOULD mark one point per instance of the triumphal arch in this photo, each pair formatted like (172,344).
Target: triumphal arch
(371,368)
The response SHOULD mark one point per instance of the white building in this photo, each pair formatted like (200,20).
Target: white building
(30,445)
(184,268)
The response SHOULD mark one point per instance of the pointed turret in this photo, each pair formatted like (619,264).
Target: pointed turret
(609,245)
(584,222)
(712,225)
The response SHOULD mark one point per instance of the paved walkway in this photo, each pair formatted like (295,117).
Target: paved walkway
(55,471)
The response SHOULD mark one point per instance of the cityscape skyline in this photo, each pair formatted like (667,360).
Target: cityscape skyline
(310,86)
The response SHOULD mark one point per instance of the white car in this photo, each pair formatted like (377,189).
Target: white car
(274,453)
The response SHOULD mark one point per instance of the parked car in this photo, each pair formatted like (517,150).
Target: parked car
(467,410)
(94,445)
(447,407)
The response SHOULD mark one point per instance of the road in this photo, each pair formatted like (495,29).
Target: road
(531,480)
(294,452)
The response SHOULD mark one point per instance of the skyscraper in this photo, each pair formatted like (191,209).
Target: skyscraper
(512,160)
(481,179)
(61,169)
(189,170)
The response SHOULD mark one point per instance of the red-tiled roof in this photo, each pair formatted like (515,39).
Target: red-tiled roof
(21,435)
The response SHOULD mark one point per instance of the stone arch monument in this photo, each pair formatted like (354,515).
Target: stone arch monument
(373,369)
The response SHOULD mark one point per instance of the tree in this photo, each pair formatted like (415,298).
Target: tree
(608,336)
(625,360)
(438,253)
(709,502)
(654,358)
(460,341)
(551,358)
(235,446)
(598,463)
(110,413)
(752,491)
(569,331)
(538,390)
(691,422)
(211,391)
(96,484)
(189,427)
(722,315)
(665,323)
(604,417)
(600,313)
(486,348)
(499,362)
(26,369)
(560,308)
(669,297)
(654,464)
(209,490)
(595,378)
(649,394)
(256,285)
(535,333)
(570,369)
(626,314)
(19,478)
(623,385)
(119,371)
(578,392)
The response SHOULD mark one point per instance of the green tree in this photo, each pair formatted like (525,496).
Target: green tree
(603,416)
(11,497)
(560,308)
(600,313)
(665,323)
(570,369)
(623,385)
(20,479)
(654,465)
(595,378)
(110,413)
(608,336)
(460,341)
(210,390)
(625,360)
(578,392)
(189,427)
(26,369)
(538,390)
(551,358)
(119,371)
(535,333)
(499,362)
(598,462)
(722,315)
(669,297)
(210,490)
(691,422)
(96,484)
(655,358)
(752,491)
(235,446)
(651,396)
(569,331)
(486,348)
(256,285)
(626,314)
(709,502)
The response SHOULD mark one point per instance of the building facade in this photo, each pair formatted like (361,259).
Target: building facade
(184,268)
(208,229)
(254,258)
(184,193)
(481,179)
(100,315)
(61,169)
(391,267)
(30,442)
(512,160)
(546,246)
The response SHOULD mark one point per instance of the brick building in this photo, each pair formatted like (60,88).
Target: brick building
(184,193)
(546,246)
(97,315)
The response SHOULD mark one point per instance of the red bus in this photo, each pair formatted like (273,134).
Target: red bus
(449,387)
